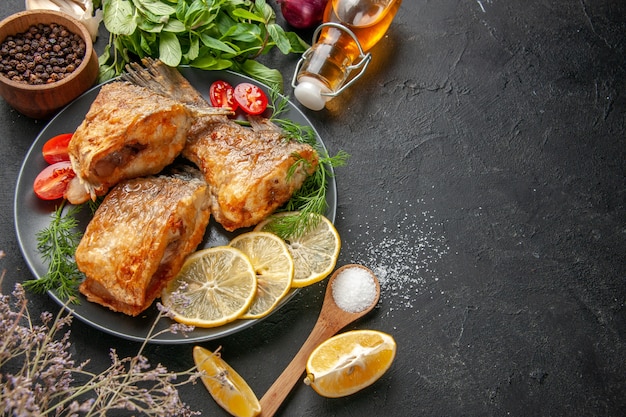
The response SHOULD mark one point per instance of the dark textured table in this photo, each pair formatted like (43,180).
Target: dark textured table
(486,187)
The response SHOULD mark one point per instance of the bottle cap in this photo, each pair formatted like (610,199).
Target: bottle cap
(310,92)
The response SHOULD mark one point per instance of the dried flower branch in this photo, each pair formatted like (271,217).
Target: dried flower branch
(37,372)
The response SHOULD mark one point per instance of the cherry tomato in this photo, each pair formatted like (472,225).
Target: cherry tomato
(55,149)
(250,98)
(51,183)
(221,94)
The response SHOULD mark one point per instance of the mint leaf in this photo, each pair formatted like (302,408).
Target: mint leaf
(118,17)
(169,49)
(216,44)
(258,71)
(280,39)
(156,7)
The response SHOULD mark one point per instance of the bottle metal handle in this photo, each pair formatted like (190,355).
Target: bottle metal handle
(362,62)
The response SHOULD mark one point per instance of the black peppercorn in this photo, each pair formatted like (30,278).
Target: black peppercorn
(42,54)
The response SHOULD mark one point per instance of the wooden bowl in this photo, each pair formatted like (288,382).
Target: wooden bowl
(43,101)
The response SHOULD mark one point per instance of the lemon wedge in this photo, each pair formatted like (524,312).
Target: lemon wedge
(225,385)
(349,362)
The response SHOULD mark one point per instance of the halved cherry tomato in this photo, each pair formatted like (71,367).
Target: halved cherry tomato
(51,183)
(250,98)
(221,94)
(55,149)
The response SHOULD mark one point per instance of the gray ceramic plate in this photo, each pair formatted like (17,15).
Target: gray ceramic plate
(33,215)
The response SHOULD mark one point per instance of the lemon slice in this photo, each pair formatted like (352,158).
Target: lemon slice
(314,253)
(214,287)
(225,385)
(273,266)
(349,362)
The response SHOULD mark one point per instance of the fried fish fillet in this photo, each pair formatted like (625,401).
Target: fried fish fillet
(139,237)
(128,132)
(250,171)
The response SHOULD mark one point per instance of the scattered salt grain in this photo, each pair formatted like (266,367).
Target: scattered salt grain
(405,255)
(354,289)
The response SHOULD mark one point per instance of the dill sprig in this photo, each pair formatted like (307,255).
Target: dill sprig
(311,197)
(291,130)
(57,244)
(94,204)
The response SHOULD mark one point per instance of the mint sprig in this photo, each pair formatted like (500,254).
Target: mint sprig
(204,34)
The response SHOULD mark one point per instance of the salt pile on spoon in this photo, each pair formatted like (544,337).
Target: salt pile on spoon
(354,289)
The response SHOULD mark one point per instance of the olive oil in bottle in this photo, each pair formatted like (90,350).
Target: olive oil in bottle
(350,29)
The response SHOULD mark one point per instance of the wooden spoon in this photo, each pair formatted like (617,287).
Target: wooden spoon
(331,319)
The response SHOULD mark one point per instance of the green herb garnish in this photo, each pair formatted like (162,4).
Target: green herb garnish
(292,130)
(311,197)
(57,244)
(205,34)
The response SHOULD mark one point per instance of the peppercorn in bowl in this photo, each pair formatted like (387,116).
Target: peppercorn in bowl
(46,61)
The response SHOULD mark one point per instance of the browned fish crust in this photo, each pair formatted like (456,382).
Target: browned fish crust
(128,132)
(248,170)
(139,237)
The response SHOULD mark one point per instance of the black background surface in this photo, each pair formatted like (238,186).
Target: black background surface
(487,189)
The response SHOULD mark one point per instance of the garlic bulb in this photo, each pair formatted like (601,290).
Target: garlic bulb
(81,10)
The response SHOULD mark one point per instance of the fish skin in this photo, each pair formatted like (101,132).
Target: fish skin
(139,238)
(128,132)
(247,169)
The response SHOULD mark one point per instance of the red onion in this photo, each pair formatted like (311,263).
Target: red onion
(302,14)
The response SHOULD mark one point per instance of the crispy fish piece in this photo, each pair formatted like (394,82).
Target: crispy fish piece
(139,237)
(249,170)
(128,132)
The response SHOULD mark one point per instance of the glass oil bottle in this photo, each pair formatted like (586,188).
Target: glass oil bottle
(350,29)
